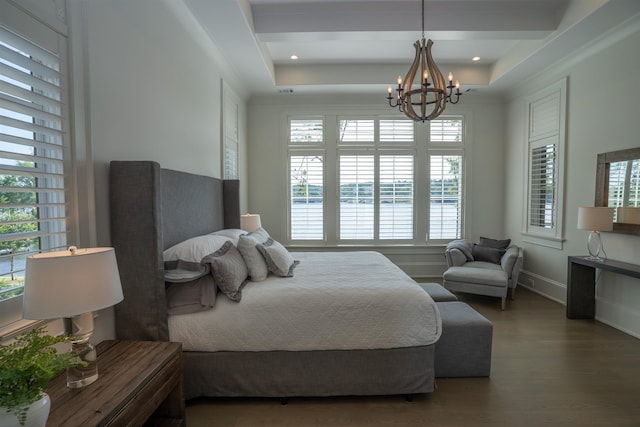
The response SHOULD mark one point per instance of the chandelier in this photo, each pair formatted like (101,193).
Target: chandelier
(427,99)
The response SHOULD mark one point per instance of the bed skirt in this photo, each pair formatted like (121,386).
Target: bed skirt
(310,373)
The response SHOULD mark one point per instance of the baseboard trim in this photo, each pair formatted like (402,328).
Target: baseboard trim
(544,286)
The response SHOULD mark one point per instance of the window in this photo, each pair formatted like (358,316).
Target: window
(306,131)
(32,148)
(357,176)
(396,197)
(306,179)
(445,197)
(545,139)
(624,184)
(360,184)
(307,197)
(543,181)
(376,176)
(446,167)
(231,138)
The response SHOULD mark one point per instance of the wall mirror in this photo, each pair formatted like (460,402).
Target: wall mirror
(618,186)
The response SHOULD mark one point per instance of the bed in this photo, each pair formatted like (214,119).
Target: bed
(384,350)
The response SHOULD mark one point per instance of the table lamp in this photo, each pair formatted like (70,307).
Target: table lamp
(595,219)
(71,285)
(250,222)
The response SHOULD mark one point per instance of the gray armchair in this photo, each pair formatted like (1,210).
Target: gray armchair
(483,269)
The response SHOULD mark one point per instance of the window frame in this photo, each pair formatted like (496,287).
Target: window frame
(331,148)
(545,123)
(33,25)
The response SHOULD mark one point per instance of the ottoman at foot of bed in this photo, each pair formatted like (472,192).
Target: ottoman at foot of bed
(464,348)
(438,292)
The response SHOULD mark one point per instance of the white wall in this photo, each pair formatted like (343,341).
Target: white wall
(603,113)
(268,167)
(153,93)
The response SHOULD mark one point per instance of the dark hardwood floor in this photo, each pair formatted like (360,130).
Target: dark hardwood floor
(546,370)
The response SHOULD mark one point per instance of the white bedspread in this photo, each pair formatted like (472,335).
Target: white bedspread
(335,301)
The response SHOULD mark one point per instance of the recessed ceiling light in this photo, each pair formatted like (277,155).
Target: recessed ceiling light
(475,58)
(294,57)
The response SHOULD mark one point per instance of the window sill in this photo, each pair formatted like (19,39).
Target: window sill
(18,327)
(386,249)
(541,240)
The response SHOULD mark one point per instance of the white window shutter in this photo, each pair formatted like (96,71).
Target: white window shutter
(33,145)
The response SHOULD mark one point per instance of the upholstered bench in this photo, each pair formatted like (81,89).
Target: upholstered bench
(438,292)
(464,348)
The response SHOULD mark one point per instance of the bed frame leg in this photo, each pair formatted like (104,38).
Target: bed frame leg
(284,400)
(408,397)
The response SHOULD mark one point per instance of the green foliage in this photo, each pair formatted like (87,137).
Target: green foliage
(19,219)
(27,365)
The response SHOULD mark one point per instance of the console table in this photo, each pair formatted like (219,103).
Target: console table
(581,283)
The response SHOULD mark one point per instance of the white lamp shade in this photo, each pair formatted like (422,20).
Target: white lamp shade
(63,284)
(628,215)
(595,218)
(250,222)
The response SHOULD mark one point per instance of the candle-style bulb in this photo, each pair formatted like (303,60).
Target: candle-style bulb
(399,80)
(450,76)
(389,90)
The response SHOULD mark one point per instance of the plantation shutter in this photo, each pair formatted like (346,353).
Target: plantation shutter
(356,197)
(230,131)
(624,184)
(360,130)
(306,131)
(445,178)
(393,131)
(307,197)
(447,130)
(306,179)
(544,128)
(445,197)
(32,148)
(396,197)
(542,188)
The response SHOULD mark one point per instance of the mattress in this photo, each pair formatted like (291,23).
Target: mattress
(334,301)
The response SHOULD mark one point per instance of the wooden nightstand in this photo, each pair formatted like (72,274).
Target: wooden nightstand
(140,382)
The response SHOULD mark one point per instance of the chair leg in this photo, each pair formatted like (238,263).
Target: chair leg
(513,294)
(504,302)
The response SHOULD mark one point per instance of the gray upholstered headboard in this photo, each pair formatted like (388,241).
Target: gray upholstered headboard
(152,209)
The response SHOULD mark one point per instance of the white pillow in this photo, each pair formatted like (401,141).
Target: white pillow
(256,265)
(194,249)
(232,233)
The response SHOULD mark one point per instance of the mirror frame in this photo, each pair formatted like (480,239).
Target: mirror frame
(603,166)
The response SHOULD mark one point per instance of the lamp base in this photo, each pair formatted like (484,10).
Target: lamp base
(83,375)
(81,326)
(594,246)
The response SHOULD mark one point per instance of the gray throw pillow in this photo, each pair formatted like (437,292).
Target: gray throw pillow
(256,265)
(278,259)
(493,243)
(228,270)
(487,254)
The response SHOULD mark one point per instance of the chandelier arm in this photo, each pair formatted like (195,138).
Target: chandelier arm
(439,85)
(407,103)
(424,66)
